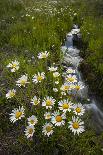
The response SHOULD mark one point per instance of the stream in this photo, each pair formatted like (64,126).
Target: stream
(72,57)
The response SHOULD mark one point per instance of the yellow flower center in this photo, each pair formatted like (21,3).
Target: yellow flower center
(77,87)
(75,125)
(66,87)
(58,118)
(65,106)
(12,94)
(48,102)
(78,110)
(32,121)
(18,114)
(14,65)
(48,116)
(70,79)
(48,128)
(39,78)
(35,102)
(30,131)
(23,82)
(44,55)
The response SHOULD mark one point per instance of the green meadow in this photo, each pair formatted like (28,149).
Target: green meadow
(28,29)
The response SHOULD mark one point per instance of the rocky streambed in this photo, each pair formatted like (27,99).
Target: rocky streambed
(72,57)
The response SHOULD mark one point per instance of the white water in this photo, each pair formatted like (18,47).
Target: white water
(71,57)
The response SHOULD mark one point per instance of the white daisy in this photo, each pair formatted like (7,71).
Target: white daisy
(79,109)
(63,93)
(66,87)
(75,14)
(71,78)
(43,55)
(32,120)
(56,82)
(27,15)
(55,89)
(76,125)
(32,17)
(52,69)
(14,65)
(78,86)
(17,114)
(65,105)
(58,119)
(37,78)
(56,74)
(47,115)
(48,129)
(48,102)
(35,101)
(22,81)
(11,93)
(70,70)
(29,131)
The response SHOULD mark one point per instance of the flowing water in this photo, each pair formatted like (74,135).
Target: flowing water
(72,57)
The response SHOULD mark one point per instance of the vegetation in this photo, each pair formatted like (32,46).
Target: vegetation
(26,29)
(90,18)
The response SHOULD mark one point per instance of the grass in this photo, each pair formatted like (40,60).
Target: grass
(28,28)
(91,21)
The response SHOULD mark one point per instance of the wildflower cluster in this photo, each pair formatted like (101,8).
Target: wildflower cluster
(52,110)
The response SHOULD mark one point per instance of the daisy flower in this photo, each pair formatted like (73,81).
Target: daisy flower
(11,93)
(70,70)
(47,115)
(29,131)
(66,87)
(78,86)
(35,101)
(37,78)
(76,125)
(75,14)
(43,55)
(55,89)
(58,119)
(14,65)
(56,82)
(65,105)
(63,93)
(53,69)
(48,102)
(71,78)
(79,109)
(56,74)
(17,114)
(32,120)
(22,81)
(48,129)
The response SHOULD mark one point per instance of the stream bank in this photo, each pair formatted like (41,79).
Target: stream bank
(72,56)
(94,80)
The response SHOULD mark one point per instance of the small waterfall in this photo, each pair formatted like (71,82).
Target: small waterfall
(72,58)
(69,40)
(96,115)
